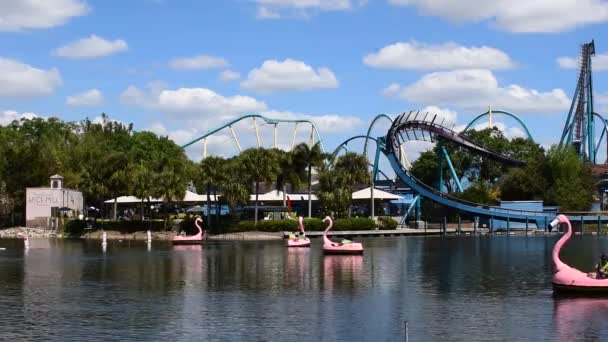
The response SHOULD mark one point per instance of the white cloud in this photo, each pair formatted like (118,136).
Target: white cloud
(599,62)
(447,116)
(91,47)
(509,132)
(204,101)
(8,116)
(35,14)
(450,55)
(265,13)
(517,16)
(273,9)
(198,62)
(229,75)
(191,102)
(92,97)
(324,123)
(289,74)
(475,89)
(22,80)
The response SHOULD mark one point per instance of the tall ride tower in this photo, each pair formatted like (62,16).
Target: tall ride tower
(579,128)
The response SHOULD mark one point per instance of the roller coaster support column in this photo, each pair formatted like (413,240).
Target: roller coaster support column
(257,133)
(415,204)
(379,143)
(295,133)
(440,187)
(275,136)
(204,148)
(238,145)
(452,171)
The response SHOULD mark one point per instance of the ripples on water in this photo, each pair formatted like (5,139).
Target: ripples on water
(449,289)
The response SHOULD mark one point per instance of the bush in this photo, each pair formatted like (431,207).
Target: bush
(74,227)
(77,227)
(358,223)
(312,224)
(386,222)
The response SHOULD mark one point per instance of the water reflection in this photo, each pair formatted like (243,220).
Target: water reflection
(457,288)
(341,271)
(580,319)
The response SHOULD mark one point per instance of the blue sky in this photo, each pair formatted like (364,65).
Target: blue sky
(158,63)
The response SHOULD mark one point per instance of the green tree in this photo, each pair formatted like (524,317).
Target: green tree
(338,182)
(291,170)
(312,157)
(210,175)
(569,180)
(235,188)
(259,165)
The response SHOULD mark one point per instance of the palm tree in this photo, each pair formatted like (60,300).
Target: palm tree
(338,182)
(210,174)
(310,157)
(235,189)
(259,165)
(291,170)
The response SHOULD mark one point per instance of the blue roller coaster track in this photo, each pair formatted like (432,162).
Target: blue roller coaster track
(405,127)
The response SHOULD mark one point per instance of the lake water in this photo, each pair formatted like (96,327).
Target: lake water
(448,288)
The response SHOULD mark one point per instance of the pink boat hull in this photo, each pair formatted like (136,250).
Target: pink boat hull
(305,242)
(299,242)
(193,239)
(330,247)
(570,279)
(567,278)
(335,248)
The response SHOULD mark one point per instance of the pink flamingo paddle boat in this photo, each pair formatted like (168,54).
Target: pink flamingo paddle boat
(344,247)
(567,278)
(192,239)
(300,240)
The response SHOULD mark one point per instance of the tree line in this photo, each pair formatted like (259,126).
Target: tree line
(105,159)
(558,176)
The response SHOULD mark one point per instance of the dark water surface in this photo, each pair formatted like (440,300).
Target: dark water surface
(449,289)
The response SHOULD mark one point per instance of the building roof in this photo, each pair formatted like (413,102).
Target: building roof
(56,176)
(378,194)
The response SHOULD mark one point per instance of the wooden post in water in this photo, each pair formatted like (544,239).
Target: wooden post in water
(508,225)
(582,224)
(527,222)
(491,228)
(406,332)
(459,223)
(445,225)
(598,225)
(26,242)
(545,224)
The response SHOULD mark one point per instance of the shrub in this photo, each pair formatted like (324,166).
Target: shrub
(74,227)
(312,224)
(386,222)
(358,223)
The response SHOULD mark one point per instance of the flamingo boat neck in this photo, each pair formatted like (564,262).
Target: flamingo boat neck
(567,279)
(299,241)
(192,239)
(344,247)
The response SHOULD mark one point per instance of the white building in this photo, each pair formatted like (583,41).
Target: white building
(43,204)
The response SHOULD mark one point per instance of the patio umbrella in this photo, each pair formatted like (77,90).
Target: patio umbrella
(65,209)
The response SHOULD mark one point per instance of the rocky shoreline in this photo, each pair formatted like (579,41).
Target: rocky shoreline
(20,232)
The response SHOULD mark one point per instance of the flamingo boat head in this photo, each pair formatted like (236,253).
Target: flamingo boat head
(344,247)
(567,278)
(300,240)
(192,239)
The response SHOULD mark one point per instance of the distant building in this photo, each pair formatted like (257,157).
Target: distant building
(44,204)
